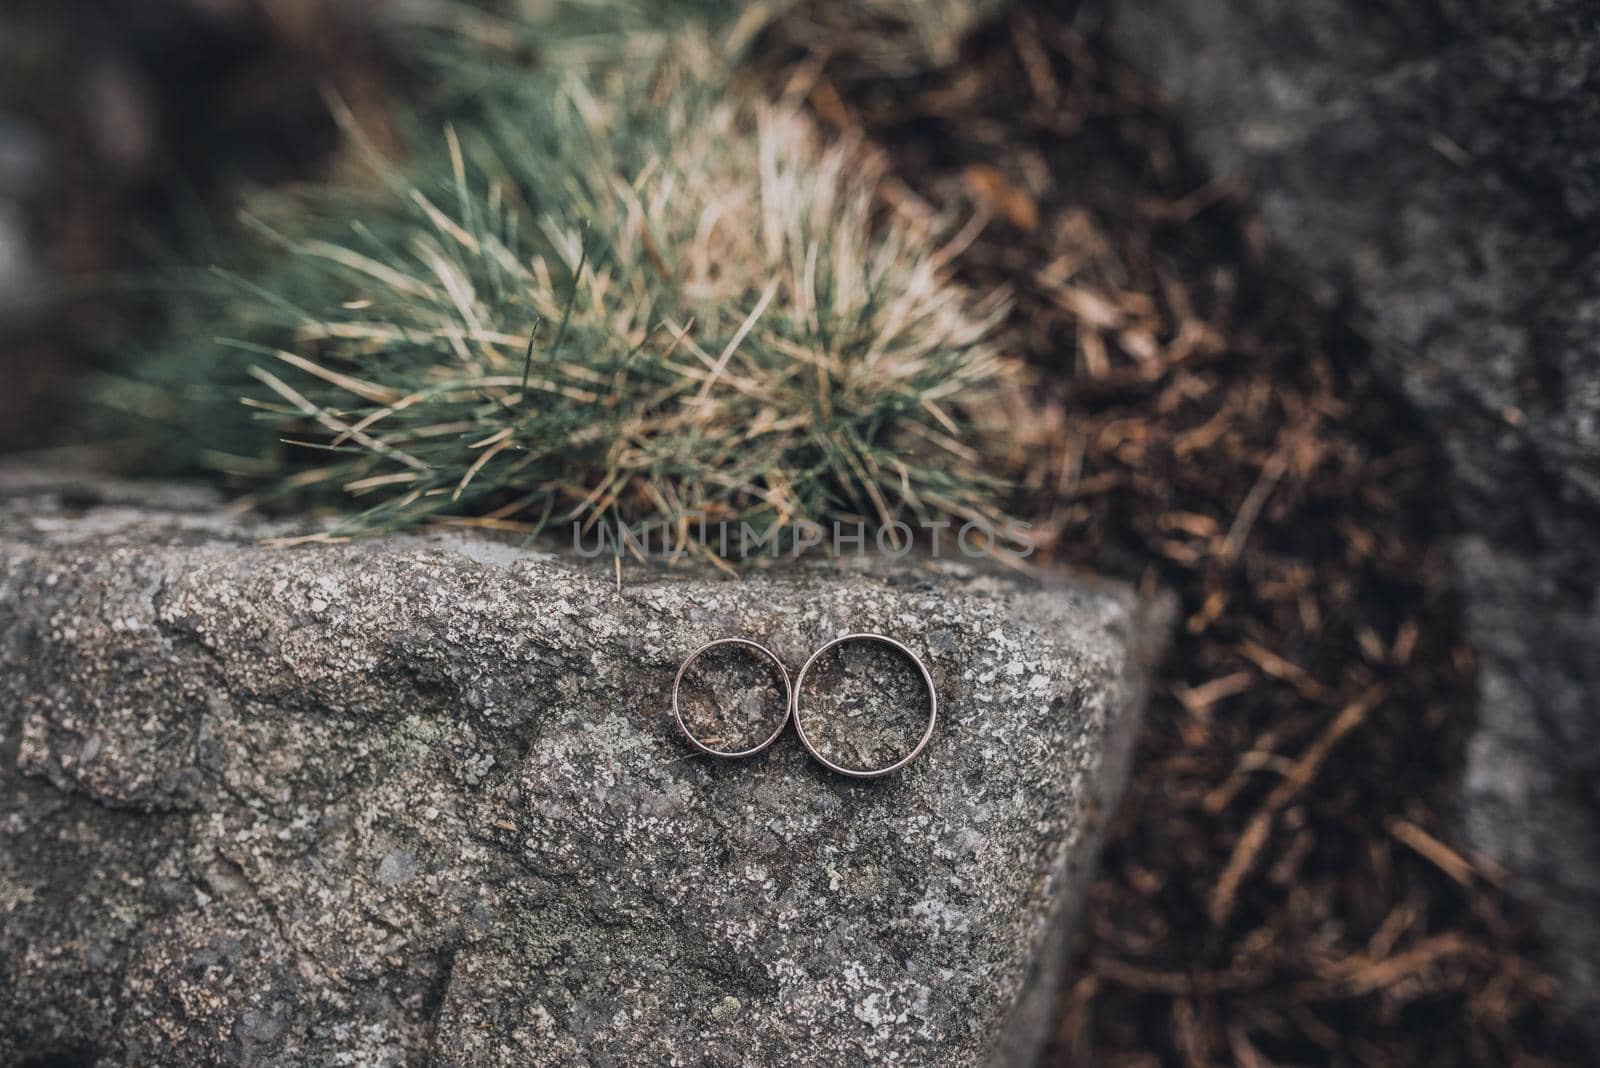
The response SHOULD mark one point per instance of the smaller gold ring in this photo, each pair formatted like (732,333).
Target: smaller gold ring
(788,699)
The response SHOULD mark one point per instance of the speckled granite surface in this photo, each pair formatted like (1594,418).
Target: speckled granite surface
(421,800)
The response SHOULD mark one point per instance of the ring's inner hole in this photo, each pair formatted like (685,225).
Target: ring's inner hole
(732,698)
(864,704)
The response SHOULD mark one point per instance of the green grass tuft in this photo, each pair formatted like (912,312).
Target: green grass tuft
(617,291)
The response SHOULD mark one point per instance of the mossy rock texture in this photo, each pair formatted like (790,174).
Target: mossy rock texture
(421,799)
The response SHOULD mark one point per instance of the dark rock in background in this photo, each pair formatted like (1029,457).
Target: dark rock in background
(1435,170)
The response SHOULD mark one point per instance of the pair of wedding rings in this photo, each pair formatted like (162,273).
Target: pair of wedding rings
(793,709)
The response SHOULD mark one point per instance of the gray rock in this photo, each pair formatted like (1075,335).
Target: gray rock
(1434,168)
(421,799)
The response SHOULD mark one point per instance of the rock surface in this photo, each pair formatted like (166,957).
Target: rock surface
(1434,168)
(421,799)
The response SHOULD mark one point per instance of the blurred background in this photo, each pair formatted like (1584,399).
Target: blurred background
(1222,426)
(126,130)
